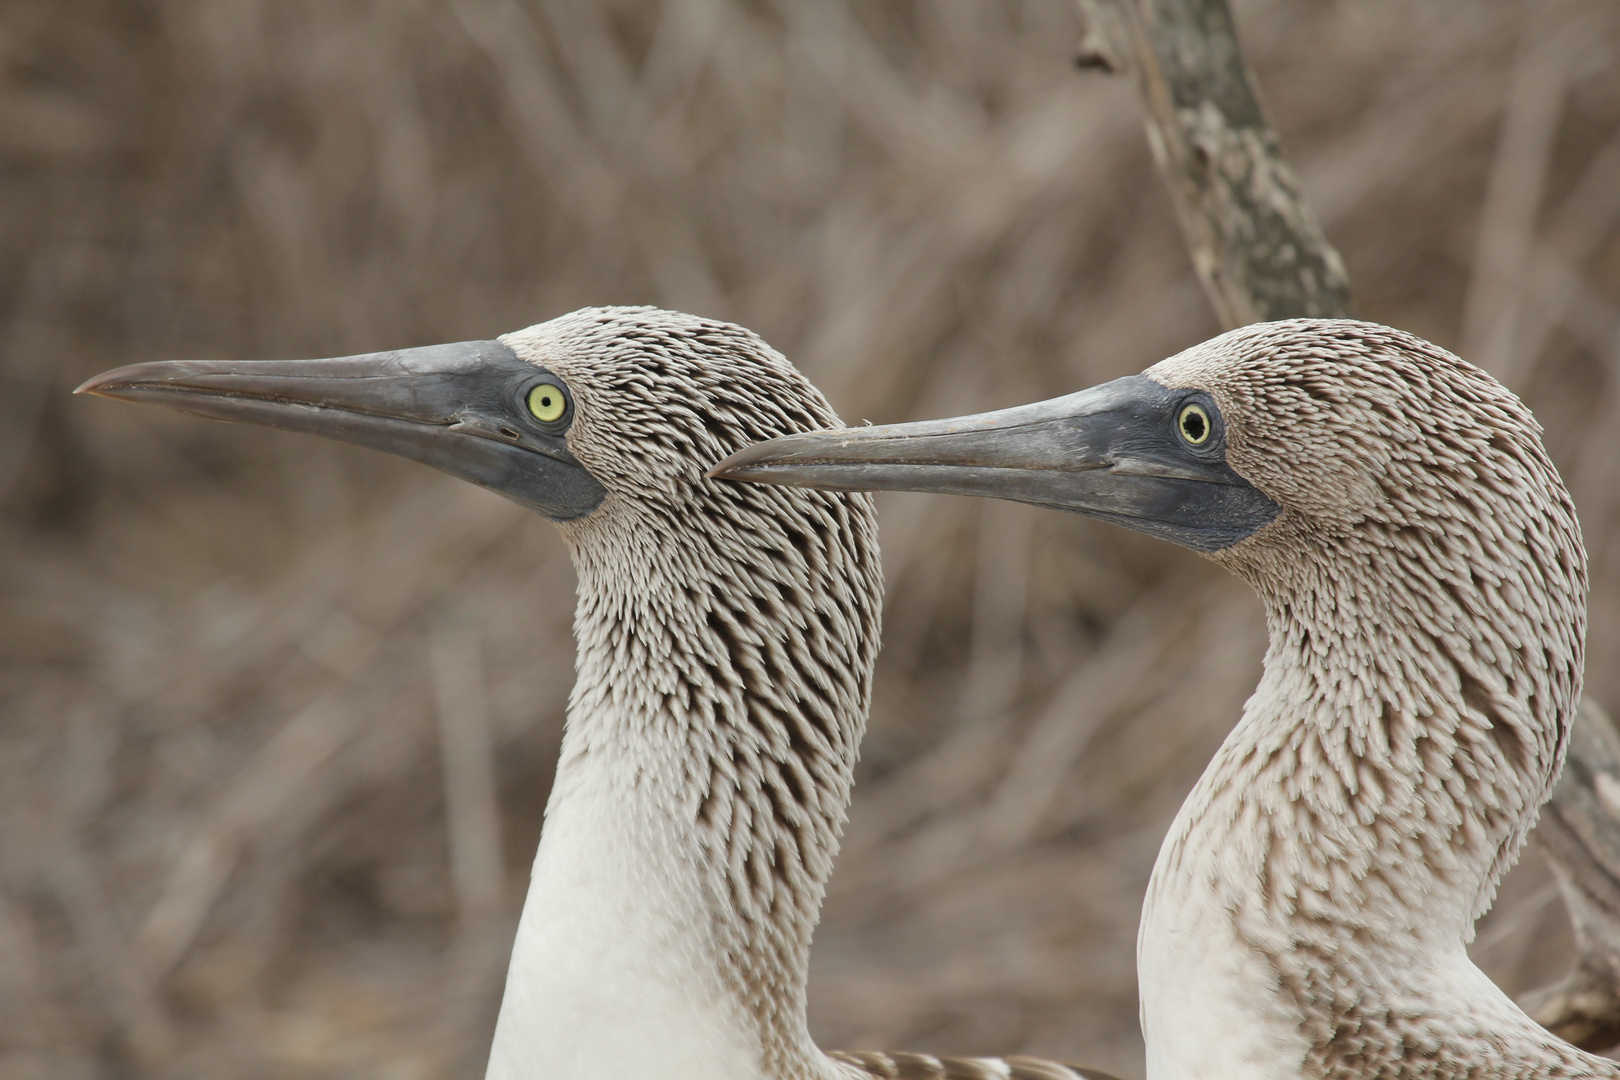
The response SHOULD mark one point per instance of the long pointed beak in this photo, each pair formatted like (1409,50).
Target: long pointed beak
(1110,452)
(457,407)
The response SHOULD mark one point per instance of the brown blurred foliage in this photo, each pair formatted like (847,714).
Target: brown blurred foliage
(240,670)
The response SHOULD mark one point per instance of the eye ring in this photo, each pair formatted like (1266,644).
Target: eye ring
(547,402)
(1194,425)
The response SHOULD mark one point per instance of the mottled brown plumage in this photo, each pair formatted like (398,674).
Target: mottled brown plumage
(926,1067)
(1425,591)
(726,640)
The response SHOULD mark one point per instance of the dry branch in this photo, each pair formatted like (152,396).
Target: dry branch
(1580,832)
(1260,255)
(1254,242)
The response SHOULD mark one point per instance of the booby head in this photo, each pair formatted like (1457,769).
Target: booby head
(1424,581)
(726,638)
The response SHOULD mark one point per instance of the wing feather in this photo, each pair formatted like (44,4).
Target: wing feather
(928,1067)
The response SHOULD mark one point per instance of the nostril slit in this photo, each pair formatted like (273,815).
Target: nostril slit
(509,433)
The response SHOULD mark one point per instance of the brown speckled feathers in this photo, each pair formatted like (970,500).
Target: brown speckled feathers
(927,1067)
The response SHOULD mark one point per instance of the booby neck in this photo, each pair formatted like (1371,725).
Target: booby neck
(1327,869)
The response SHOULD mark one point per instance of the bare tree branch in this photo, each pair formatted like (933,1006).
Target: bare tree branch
(1580,833)
(1254,242)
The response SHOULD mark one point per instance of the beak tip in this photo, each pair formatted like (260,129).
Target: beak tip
(727,470)
(782,460)
(97,387)
(109,383)
(739,466)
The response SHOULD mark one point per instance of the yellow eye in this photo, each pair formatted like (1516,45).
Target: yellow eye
(1194,424)
(547,403)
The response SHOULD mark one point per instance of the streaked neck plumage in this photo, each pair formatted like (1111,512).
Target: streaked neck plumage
(724,667)
(1310,908)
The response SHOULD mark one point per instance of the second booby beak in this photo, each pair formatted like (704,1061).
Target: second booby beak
(1129,451)
(464,408)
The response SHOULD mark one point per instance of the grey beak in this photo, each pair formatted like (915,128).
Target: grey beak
(458,407)
(1110,452)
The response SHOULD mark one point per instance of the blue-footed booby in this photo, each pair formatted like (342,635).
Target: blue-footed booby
(726,635)
(1424,582)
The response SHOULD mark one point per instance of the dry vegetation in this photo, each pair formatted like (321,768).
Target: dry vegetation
(240,670)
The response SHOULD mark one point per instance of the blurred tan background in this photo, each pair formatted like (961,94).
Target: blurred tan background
(239,669)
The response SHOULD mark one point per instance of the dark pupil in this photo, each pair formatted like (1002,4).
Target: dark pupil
(1192,425)
(545,401)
